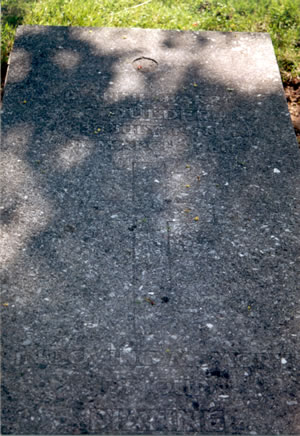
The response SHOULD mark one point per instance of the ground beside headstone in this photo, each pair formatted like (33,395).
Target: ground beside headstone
(150,227)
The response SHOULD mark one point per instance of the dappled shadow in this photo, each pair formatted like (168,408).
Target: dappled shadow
(122,185)
(12,14)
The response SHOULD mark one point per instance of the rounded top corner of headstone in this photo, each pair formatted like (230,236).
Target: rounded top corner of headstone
(144,64)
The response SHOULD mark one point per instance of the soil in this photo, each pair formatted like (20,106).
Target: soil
(292,93)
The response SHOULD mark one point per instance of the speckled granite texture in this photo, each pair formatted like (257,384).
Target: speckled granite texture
(150,235)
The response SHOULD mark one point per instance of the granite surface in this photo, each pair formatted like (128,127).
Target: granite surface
(150,235)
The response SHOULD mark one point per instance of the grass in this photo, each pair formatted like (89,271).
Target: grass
(281,18)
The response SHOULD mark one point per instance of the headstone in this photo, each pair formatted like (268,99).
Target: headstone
(150,225)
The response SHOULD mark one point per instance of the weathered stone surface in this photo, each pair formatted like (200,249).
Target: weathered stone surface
(150,225)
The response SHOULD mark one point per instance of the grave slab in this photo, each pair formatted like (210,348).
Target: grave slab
(150,235)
